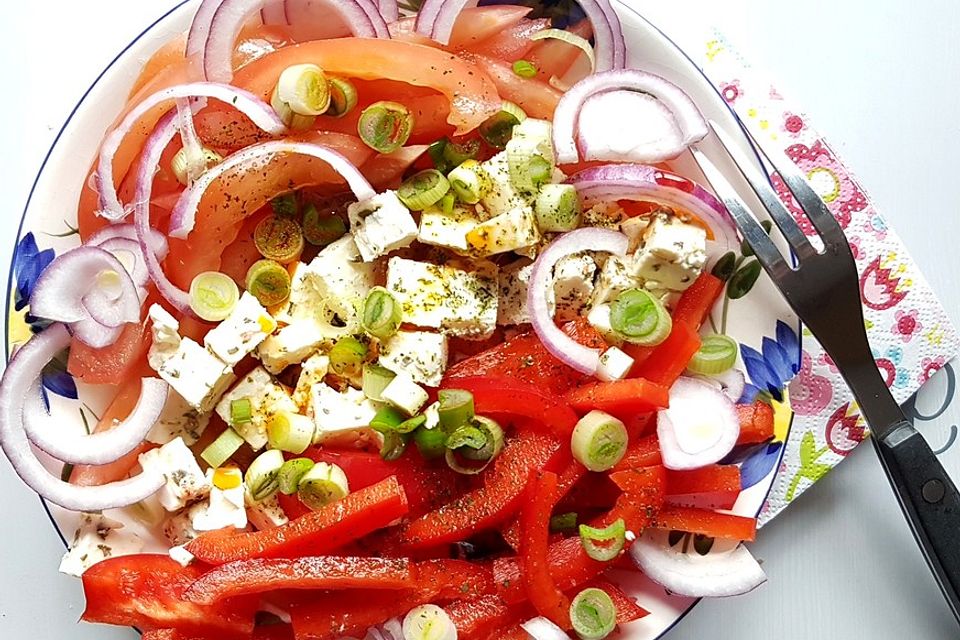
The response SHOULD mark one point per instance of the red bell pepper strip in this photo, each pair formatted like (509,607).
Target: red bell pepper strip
(572,473)
(631,395)
(317,533)
(670,358)
(627,608)
(147,591)
(314,572)
(697,301)
(542,592)
(479,619)
(708,523)
(756,422)
(643,452)
(263,632)
(486,507)
(715,478)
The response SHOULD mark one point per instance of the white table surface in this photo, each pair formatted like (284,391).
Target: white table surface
(879,78)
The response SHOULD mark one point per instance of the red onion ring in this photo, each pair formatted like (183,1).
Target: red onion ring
(558,343)
(274,12)
(649,184)
(541,628)
(692,404)
(261,113)
(93,334)
(23,370)
(389,9)
(131,247)
(156,240)
(200,28)
(183,217)
(567,115)
(46,433)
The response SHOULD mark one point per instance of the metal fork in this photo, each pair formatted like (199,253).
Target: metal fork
(823,290)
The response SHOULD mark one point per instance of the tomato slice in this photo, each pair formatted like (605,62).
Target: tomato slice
(631,395)
(537,99)
(705,522)
(512,43)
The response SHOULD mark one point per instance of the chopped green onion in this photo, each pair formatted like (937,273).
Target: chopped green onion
(285,206)
(261,476)
(423,189)
(530,154)
(394,444)
(604,544)
(514,110)
(385,126)
(321,230)
(717,354)
(570,38)
(498,128)
(288,431)
(530,172)
(220,450)
(347,356)
(432,443)
(287,115)
(524,69)
(387,419)
(322,484)
(412,424)
(187,169)
(558,207)
(279,239)
(470,182)
(305,88)
(428,622)
(447,154)
(375,379)
(241,411)
(456,408)
(563,522)
(467,436)
(476,443)
(447,203)
(381,313)
(343,96)
(599,441)
(290,474)
(269,282)
(213,295)
(593,614)
(640,318)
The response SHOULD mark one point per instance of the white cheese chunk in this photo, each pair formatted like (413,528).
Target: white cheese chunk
(599,319)
(515,229)
(225,507)
(614,365)
(405,394)
(448,230)
(456,300)
(513,285)
(432,414)
(97,538)
(421,354)
(502,196)
(573,285)
(334,283)
(178,528)
(196,374)
(605,215)
(266,397)
(164,329)
(634,228)
(312,372)
(614,279)
(265,514)
(291,345)
(380,225)
(184,481)
(178,420)
(181,556)
(240,333)
(335,412)
(672,256)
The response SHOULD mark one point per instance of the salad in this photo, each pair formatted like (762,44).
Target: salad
(408,331)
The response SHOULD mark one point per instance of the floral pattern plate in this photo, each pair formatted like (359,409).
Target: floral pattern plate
(754,313)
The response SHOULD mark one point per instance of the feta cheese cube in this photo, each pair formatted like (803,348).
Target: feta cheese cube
(178,420)
(605,215)
(380,225)
(515,229)
(599,319)
(97,538)
(178,528)
(672,256)
(335,412)
(614,365)
(226,507)
(405,394)
(265,514)
(502,196)
(164,329)
(634,228)
(455,300)
(421,354)
(312,372)
(240,333)
(432,414)
(335,282)
(291,345)
(615,278)
(573,285)
(448,230)
(512,286)
(184,481)
(196,374)
(266,397)
(181,556)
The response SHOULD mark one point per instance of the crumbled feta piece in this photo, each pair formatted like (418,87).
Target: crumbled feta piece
(599,319)
(265,514)
(312,372)
(184,481)
(614,365)
(405,394)
(432,414)
(448,230)
(605,215)
(240,333)
(181,556)
(634,228)
(266,396)
(335,412)
(225,507)
(97,538)
(502,196)
(573,285)
(515,229)
(178,528)
(614,279)
(421,354)
(196,374)
(513,285)
(455,300)
(335,282)
(380,225)
(672,256)
(149,511)
(291,345)
(178,420)
(165,331)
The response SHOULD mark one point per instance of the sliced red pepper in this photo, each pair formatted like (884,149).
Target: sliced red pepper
(715,478)
(756,422)
(670,358)
(147,591)
(316,533)
(705,522)
(505,396)
(314,572)
(642,452)
(263,632)
(486,507)
(542,592)
(697,301)
(479,619)
(571,475)
(627,608)
(631,395)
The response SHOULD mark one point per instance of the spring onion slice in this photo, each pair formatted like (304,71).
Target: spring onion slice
(432,443)
(213,295)
(498,128)
(285,206)
(470,182)
(640,318)
(412,424)
(343,97)
(604,544)
(220,450)
(563,522)
(514,110)
(593,614)
(347,356)
(322,484)
(288,479)
(268,281)
(525,69)
(288,431)
(241,411)
(394,444)
(287,115)
(570,38)
(717,354)
(182,163)
(456,408)
(262,474)
(305,88)
(472,447)
(599,441)
(387,420)
(447,203)
(279,238)
(375,379)
(428,622)
(321,230)
(423,189)
(385,126)
(381,313)
(557,207)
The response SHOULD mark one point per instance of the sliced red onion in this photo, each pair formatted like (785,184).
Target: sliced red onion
(541,628)
(558,343)
(71,285)
(156,240)
(650,133)
(274,12)
(93,334)
(259,112)
(389,9)
(642,182)
(200,27)
(184,213)
(700,427)
(46,432)
(130,255)
(718,574)
(22,372)
(731,382)
(569,118)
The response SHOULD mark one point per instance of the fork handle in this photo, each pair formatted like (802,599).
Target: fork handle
(930,501)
